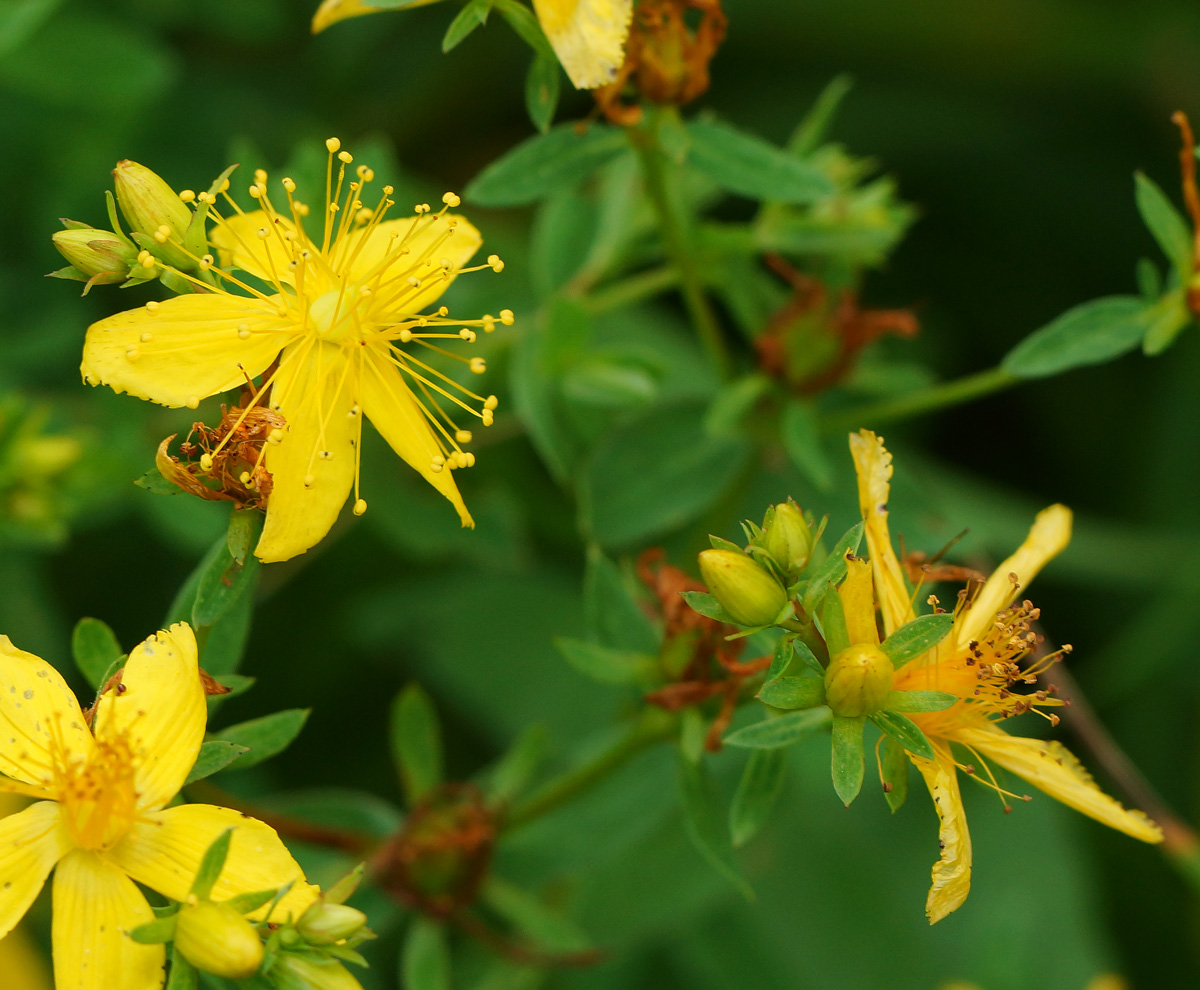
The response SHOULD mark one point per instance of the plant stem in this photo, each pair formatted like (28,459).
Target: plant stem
(940,396)
(633,289)
(675,241)
(654,726)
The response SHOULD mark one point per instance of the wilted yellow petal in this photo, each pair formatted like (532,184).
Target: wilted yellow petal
(95,907)
(31,842)
(952,872)
(1051,767)
(161,711)
(873,465)
(332,11)
(184,349)
(858,602)
(588,36)
(389,404)
(164,853)
(1049,535)
(39,718)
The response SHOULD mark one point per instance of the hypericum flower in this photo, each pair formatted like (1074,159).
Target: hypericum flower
(979,662)
(101,814)
(337,333)
(588,36)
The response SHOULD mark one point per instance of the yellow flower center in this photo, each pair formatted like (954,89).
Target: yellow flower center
(331,315)
(97,796)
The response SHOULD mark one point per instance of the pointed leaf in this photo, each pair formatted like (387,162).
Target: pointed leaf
(848,761)
(832,619)
(707,606)
(252,900)
(782,656)
(905,731)
(761,782)
(211,865)
(918,701)
(810,133)
(416,743)
(541,91)
(606,665)
(833,568)
(772,733)
(894,761)
(155,932)
(917,637)
(611,613)
(516,768)
(793,692)
(1169,228)
(749,166)
(706,824)
(425,960)
(1090,333)
(95,649)
(264,737)
(465,21)
(214,755)
(224,580)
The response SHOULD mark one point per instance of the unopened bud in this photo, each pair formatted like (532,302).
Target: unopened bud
(292,972)
(325,924)
(858,680)
(216,939)
(788,539)
(149,204)
(103,256)
(748,593)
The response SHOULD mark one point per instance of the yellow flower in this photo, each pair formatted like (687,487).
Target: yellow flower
(340,301)
(977,662)
(588,36)
(20,962)
(101,820)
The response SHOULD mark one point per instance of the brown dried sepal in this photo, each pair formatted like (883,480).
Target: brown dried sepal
(240,458)
(665,58)
(211,685)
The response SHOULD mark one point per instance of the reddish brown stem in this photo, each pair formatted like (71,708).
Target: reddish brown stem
(1187,165)
(520,954)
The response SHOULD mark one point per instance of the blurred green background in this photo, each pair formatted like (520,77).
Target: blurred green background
(1014,126)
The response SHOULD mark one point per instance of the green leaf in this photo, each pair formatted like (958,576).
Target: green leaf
(1169,315)
(749,166)
(516,767)
(606,665)
(832,569)
(918,701)
(757,791)
(214,755)
(473,15)
(153,481)
(706,825)
(425,960)
(611,613)
(781,657)
(211,865)
(183,974)
(832,619)
(810,133)
(252,900)
(95,649)
(416,743)
(520,18)
(1149,279)
(1090,333)
(894,762)
(546,928)
(801,436)
(541,91)
(1169,228)
(793,692)
(544,163)
(155,932)
(734,402)
(224,581)
(916,637)
(265,736)
(773,733)
(848,760)
(709,607)
(905,732)
(245,525)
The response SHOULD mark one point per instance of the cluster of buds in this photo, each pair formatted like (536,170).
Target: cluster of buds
(309,955)
(162,230)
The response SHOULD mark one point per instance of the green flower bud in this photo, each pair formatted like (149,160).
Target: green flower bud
(292,972)
(216,939)
(103,256)
(788,539)
(745,590)
(325,924)
(154,209)
(858,680)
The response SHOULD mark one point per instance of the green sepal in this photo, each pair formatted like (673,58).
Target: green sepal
(473,15)
(183,974)
(833,568)
(918,701)
(893,762)
(832,618)
(346,954)
(520,18)
(541,91)
(416,738)
(784,730)
(757,791)
(848,760)
(153,481)
(211,865)
(917,637)
(155,932)
(720,544)
(805,653)
(252,900)
(95,649)
(905,731)
(196,238)
(793,692)
(215,755)
(343,889)
(708,606)
(1165,223)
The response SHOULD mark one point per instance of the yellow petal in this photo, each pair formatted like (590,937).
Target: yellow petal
(161,711)
(332,11)
(31,842)
(1051,767)
(181,350)
(312,469)
(588,36)
(873,464)
(95,907)
(164,853)
(1049,535)
(22,964)
(392,409)
(858,603)
(36,706)
(952,872)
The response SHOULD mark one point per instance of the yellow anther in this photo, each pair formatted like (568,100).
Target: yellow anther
(354,411)
(506,317)
(486,417)
(489,323)
(495,263)
(421,208)
(301,209)
(224,187)
(460,459)
(467,334)
(326,455)
(360,506)
(275,436)
(145,258)
(145,338)
(192,401)
(491,402)
(388,190)
(206,262)
(436,463)
(162,234)
(406,336)
(478,365)
(260,176)
(451,223)
(309,480)
(333,207)
(244,477)
(152,306)
(468,459)
(262,233)
(443,311)
(451,200)
(462,436)
(333,144)
(206,197)
(414,281)
(256,191)
(288,185)
(364,173)
(345,157)
(187,196)
(206,462)
(131,352)
(244,331)
(446,264)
